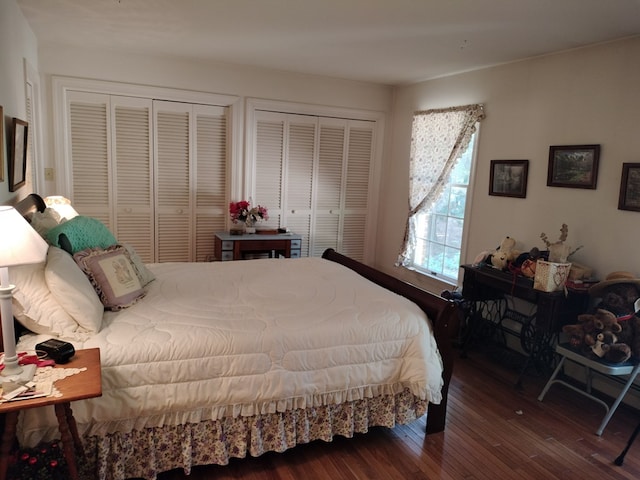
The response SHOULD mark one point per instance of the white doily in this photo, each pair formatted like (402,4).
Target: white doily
(51,374)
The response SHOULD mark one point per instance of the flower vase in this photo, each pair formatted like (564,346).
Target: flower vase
(249,227)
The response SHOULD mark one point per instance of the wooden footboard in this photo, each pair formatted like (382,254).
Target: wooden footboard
(442,313)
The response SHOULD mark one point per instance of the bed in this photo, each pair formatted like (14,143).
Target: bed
(220,360)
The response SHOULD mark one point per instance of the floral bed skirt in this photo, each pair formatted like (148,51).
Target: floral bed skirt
(146,453)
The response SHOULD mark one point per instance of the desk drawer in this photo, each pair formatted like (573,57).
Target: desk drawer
(227,245)
(296,243)
(226,255)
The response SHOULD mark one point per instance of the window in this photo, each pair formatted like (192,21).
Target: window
(442,147)
(438,230)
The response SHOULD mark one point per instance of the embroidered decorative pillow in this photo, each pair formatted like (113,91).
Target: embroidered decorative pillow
(81,233)
(112,275)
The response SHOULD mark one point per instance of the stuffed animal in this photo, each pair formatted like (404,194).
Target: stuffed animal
(501,256)
(596,336)
(618,293)
(504,254)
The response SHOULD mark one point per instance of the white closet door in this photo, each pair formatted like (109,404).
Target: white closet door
(173,199)
(211,172)
(268,166)
(133,174)
(357,188)
(89,147)
(329,184)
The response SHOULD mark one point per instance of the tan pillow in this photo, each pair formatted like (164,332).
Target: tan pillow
(112,275)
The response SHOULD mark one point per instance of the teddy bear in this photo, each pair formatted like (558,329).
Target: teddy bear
(596,336)
(605,344)
(618,293)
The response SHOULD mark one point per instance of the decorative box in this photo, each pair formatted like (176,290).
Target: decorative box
(551,276)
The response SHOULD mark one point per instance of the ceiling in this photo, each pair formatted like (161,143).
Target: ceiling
(393,42)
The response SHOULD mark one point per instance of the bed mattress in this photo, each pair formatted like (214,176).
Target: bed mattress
(228,339)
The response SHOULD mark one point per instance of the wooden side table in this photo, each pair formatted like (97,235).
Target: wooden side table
(234,247)
(86,384)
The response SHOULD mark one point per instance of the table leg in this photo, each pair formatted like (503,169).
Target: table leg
(10,422)
(63,412)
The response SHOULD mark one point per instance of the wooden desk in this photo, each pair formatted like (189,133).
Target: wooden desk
(87,384)
(234,247)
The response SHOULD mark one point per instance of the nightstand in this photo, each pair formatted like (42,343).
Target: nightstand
(86,384)
(235,247)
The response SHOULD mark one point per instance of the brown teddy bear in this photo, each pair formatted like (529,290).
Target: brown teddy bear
(604,342)
(618,293)
(596,336)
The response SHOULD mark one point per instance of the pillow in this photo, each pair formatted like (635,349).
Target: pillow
(81,233)
(44,221)
(112,275)
(73,291)
(144,274)
(36,308)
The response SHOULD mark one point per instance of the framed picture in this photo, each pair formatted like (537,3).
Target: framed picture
(573,166)
(1,144)
(630,187)
(18,159)
(509,178)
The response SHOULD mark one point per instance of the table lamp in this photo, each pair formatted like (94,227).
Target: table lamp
(19,245)
(61,205)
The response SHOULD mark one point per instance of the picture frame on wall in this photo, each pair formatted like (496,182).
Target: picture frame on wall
(630,187)
(573,166)
(2,149)
(18,157)
(508,178)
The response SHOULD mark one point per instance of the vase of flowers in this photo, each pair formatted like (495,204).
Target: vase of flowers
(243,214)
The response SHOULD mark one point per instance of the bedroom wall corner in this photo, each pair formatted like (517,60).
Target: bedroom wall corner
(18,42)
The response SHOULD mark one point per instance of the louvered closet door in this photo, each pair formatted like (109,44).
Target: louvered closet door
(343,178)
(133,174)
(357,181)
(173,202)
(285,153)
(211,173)
(89,141)
(269,164)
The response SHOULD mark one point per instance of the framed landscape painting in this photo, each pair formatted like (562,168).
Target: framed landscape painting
(630,187)
(573,166)
(508,178)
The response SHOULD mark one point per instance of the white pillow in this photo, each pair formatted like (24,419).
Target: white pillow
(35,307)
(72,289)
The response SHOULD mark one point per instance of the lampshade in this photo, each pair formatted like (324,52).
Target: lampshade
(19,243)
(61,205)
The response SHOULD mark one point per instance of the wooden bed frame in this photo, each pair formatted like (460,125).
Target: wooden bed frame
(442,313)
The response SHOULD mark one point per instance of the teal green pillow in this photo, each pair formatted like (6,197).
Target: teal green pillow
(81,233)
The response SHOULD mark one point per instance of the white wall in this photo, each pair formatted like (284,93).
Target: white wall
(584,96)
(17,44)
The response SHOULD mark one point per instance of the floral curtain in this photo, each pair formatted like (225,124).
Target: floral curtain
(438,139)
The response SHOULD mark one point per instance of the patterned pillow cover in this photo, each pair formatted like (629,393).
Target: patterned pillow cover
(112,275)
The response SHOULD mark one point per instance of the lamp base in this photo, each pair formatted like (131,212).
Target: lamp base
(26,375)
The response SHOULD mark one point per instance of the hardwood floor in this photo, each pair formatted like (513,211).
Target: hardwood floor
(494,431)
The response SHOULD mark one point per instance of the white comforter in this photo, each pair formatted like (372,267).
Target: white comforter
(241,338)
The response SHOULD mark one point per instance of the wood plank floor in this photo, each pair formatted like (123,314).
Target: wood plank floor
(494,431)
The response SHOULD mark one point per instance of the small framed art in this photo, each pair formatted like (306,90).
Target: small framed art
(18,158)
(573,166)
(630,187)
(1,144)
(508,178)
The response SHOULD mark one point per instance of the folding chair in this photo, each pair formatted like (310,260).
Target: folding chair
(608,369)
